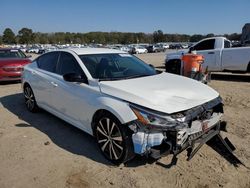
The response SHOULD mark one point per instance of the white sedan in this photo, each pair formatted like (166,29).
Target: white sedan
(128,106)
(139,50)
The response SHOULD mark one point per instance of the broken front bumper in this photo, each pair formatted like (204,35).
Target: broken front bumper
(164,141)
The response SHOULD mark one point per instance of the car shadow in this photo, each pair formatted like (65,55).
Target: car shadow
(10,82)
(60,132)
(231,77)
(217,146)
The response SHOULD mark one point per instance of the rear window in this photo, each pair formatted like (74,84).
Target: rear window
(68,64)
(48,61)
(227,44)
(12,54)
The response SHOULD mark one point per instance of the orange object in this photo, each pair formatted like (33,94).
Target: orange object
(192,63)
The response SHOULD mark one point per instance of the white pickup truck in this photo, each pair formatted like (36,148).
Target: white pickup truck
(219,55)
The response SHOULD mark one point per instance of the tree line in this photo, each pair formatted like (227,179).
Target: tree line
(27,36)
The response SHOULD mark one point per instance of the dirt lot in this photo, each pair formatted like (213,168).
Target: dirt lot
(40,150)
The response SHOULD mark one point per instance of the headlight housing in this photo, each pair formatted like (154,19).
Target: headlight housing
(149,118)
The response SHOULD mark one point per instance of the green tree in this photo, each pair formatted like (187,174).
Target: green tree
(1,41)
(196,38)
(233,36)
(8,36)
(158,36)
(26,36)
(210,35)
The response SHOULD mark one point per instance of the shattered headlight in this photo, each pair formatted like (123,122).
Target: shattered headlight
(148,118)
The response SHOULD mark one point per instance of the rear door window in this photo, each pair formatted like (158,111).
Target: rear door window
(227,44)
(48,61)
(68,64)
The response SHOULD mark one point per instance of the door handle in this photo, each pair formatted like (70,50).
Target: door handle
(210,52)
(33,72)
(54,84)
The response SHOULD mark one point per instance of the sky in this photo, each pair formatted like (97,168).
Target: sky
(170,16)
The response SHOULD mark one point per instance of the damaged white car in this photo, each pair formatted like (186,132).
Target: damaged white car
(126,104)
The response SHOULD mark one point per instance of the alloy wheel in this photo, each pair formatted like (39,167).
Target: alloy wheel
(110,138)
(29,98)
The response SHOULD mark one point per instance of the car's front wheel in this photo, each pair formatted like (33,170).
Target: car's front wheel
(114,139)
(30,100)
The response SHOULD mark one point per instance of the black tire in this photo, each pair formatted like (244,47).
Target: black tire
(113,139)
(30,100)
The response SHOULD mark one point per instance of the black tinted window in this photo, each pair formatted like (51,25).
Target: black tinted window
(68,64)
(227,44)
(205,45)
(48,61)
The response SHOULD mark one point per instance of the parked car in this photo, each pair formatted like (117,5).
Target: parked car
(175,46)
(11,64)
(155,48)
(218,54)
(128,106)
(165,46)
(41,51)
(246,43)
(184,46)
(124,48)
(139,50)
(33,50)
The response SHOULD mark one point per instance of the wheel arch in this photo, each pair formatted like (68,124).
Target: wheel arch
(25,84)
(120,110)
(96,116)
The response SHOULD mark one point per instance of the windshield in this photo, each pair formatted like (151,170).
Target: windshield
(116,66)
(12,54)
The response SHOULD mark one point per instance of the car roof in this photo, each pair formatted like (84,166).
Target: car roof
(85,51)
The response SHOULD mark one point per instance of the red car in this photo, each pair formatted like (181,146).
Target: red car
(11,64)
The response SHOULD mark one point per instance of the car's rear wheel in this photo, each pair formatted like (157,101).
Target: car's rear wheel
(114,139)
(30,100)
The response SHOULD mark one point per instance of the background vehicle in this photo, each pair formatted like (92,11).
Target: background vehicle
(218,54)
(126,104)
(175,46)
(155,48)
(246,43)
(11,64)
(139,50)
(165,46)
(33,50)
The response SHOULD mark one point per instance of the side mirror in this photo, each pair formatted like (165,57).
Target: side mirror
(74,77)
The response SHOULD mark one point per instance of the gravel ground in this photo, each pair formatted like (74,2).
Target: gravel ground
(40,150)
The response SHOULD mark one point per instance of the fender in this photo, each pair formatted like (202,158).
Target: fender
(117,107)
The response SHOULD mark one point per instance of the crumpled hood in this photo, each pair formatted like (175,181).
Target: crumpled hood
(164,92)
